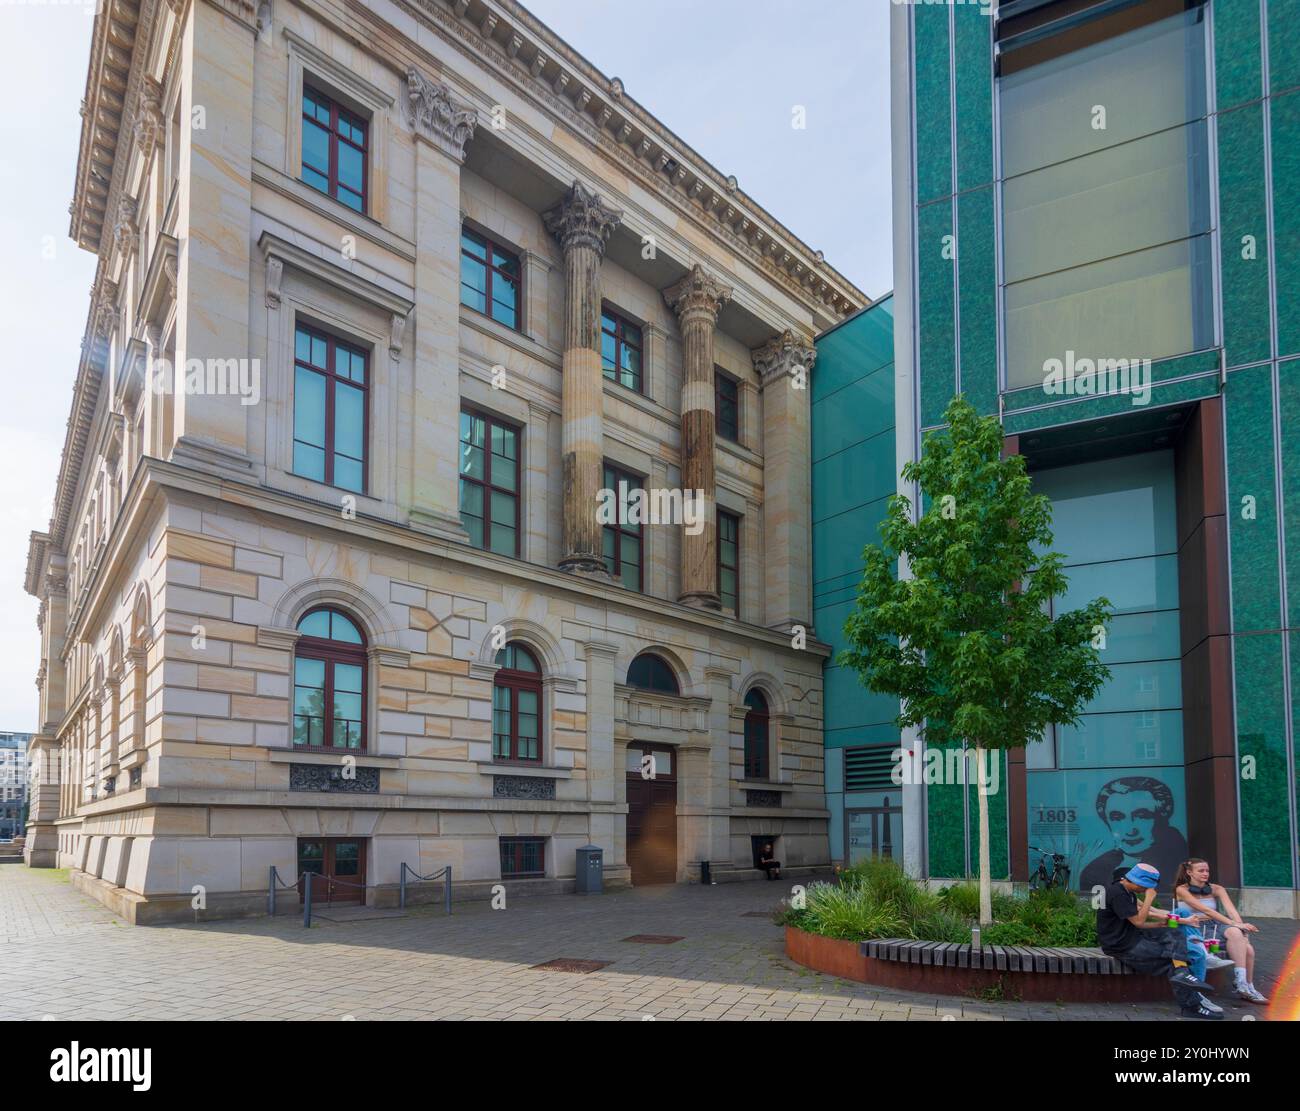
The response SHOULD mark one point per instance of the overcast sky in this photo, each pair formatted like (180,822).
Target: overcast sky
(725,75)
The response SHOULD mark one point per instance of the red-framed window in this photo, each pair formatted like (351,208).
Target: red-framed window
(329,682)
(334,157)
(517,706)
(623,546)
(489,278)
(729,561)
(331,409)
(620,349)
(757,720)
(649,672)
(489,482)
(522,857)
(726,406)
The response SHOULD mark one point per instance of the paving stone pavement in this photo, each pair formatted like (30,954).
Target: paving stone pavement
(63,954)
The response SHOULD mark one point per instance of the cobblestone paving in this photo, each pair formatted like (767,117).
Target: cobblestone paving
(63,954)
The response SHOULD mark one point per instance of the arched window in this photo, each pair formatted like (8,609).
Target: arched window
(329,682)
(756,733)
(651,673)
(516,705)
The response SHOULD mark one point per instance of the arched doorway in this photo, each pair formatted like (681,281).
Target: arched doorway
(651,813)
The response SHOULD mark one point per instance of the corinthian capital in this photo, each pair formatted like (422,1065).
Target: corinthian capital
(582,219)
(782,356)
(437,117)
(699,294)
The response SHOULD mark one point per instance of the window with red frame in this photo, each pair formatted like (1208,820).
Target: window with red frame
(329,682)
(757,719)
(489,482)
(522,857)
(516,705)
(489,278)
(330,409)
(729,561)
(726,407)
(334,149)
(622,541)
(620,349)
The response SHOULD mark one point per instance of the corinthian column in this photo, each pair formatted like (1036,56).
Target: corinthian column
(784,367)
(696,300)
(582,223)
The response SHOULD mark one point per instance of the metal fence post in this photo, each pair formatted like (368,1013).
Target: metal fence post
(447,888)
(270,894)
(401,901)
(306,903)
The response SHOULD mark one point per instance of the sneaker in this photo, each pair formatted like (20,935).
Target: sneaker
(1184,978)
(1203,1009)
(1213,961)
(1249,994)
(1211,1006)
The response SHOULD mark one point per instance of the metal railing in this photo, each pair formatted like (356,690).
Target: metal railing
(303,882)
(442,873)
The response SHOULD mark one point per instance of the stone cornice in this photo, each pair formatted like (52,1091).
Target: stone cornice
(437,116)
(782,356)
(582,219)
(699,294)
(503,35)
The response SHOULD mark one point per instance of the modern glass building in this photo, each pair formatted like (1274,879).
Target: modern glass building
(1097,238)
(854,472)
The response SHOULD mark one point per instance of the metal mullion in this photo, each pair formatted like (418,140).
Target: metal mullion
(334,150)
(331,356)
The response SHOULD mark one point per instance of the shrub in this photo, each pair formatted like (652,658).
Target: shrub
(1007,933)
(845,912)
(941,925)
(963,899)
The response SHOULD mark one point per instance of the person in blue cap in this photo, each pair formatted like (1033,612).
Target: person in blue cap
(1137,935)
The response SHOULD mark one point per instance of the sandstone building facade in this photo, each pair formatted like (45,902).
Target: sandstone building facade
(387,295)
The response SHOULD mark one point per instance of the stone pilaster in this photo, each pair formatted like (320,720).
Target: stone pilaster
(696,300)
(582,223)
(603,770)
(41,849)
(784,368)
(442,127)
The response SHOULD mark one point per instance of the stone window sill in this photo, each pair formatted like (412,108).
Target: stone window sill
(363,759)
(532,770)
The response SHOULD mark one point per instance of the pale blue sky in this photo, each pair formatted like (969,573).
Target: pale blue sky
(725,75)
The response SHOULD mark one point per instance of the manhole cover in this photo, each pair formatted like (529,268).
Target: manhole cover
(653,939)
(569,964)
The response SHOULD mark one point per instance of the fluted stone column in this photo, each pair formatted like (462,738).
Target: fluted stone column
(784,367)
(582,223)
(696,300)
(442,127)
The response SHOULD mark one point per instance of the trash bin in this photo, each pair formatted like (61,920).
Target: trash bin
(706,877)
(591,870)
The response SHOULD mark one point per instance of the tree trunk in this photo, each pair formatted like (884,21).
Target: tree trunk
(981,788)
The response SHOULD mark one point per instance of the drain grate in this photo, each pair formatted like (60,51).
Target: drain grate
(571,964)
(653,939)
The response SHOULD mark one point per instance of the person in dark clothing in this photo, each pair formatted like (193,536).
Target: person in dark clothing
(1137,935)
(767,862)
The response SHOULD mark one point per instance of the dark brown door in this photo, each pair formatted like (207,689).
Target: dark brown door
(652,816)
(336,867)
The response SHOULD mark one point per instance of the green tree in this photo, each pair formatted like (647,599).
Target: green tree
(962,635)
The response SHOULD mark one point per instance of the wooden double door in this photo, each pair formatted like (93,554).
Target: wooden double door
(336,868)
(652,814)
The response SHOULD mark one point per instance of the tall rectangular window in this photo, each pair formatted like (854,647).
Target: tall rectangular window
(729,561)
(489,482)
(330,409)
(726,406)
(489,278)
(623,541)
(620,349)
(1106,197)
(334,149)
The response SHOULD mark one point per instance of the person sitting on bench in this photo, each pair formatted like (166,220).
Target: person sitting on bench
(1195,894)
(769,865)
(1137,935)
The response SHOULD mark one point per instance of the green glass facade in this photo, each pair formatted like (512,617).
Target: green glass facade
(1116,182)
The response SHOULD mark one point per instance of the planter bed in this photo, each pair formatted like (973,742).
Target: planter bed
(1019,972)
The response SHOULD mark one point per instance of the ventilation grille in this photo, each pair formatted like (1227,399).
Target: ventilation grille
(869,769)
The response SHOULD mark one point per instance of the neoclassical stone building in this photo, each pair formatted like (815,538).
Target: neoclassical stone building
(388,294)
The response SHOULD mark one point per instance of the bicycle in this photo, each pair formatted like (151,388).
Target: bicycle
(1059,875)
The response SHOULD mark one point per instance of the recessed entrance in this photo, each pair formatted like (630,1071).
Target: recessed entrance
(652,814)
(336,867)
